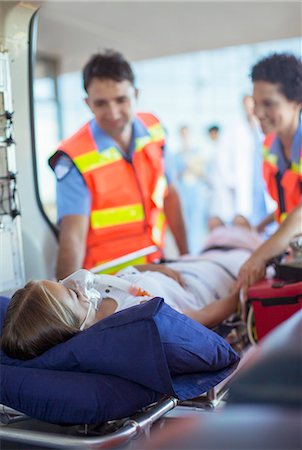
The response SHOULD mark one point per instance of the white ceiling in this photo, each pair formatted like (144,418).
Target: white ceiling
(72,31)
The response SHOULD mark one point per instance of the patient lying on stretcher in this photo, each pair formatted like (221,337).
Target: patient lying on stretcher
(45,313)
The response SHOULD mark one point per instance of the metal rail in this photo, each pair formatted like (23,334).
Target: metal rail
(133,427)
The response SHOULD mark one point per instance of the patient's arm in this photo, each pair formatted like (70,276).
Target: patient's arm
(265,222)
(162,269)
(216,312)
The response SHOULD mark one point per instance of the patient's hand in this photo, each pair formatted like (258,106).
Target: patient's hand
(252,271)
(162,268)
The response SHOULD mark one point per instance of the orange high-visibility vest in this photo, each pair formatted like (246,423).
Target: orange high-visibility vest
(126,197)
(285,189)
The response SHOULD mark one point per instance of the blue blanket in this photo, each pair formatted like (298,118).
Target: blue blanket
(115,367)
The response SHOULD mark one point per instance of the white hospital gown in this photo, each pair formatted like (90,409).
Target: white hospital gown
(205,280)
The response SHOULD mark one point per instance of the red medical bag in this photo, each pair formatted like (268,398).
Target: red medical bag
(273,302)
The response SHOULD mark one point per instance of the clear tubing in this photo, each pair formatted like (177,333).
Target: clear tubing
(114,281)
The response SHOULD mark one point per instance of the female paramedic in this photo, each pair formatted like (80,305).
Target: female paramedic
(45,313)
(277,81)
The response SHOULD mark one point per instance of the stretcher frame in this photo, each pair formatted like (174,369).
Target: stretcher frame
(130,428)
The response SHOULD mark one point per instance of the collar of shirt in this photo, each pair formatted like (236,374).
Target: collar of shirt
(277,150)
(104,141)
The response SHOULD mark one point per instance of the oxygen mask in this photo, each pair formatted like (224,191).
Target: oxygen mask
(94,286)
(83,281)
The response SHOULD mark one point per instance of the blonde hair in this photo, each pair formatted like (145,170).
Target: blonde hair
(36,321)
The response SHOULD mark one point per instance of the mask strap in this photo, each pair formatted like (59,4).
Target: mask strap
(86,317)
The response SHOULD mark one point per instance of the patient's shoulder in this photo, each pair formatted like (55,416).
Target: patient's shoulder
(107,307)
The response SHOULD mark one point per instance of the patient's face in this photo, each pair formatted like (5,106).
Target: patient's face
(72,298)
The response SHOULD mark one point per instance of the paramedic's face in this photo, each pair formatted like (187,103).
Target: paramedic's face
(112,103)
(275,112)
(72,298)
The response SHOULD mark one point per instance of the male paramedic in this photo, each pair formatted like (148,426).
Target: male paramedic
(112,194)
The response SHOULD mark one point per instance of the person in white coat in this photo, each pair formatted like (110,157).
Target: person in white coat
(239,188)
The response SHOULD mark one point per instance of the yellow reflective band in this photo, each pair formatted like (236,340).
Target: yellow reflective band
(297,167)
(140,142)
(159,191)
(94,159)
(271,159)
(283,216)
(156,132)
(133,262)
(265,151)
(157,229)
(110,217)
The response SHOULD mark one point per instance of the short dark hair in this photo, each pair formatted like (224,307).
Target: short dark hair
(213,128)
(283,69)
(108,65)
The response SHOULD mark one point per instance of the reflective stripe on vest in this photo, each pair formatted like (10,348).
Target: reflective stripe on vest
(132,218)
(282,217)
(95,159)
(285,188)
(156,132)
(159,192)
(268,157)
(141,142)
(133,262)
(297,167)
(158,228)
(119,215)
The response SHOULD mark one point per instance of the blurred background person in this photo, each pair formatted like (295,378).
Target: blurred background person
(190,178)
(213,134)
(210,148)
(238,184)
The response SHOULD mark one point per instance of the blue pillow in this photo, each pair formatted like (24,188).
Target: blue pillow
(64,397)
(126,344)
(72,398)
(151,349)
(157,340)
(189,346)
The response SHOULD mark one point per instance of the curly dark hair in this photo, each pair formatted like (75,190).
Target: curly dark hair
(283,69)
(108,65)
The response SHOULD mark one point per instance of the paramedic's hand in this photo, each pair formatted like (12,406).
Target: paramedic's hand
(252,271)
(174,274)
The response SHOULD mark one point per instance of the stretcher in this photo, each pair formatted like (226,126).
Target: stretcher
(108,435)
(99,410)
(18,428)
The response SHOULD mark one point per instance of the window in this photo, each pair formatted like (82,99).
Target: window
(197,89)
(47,128)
